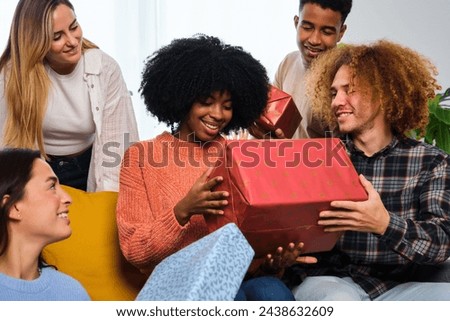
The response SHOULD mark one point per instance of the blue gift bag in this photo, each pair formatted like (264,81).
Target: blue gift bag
(210,269)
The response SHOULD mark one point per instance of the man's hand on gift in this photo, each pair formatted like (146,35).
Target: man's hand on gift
(368,216)
(201,200)
(256,131)
(279,133)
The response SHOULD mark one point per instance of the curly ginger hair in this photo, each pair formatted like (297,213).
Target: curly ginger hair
(401,78)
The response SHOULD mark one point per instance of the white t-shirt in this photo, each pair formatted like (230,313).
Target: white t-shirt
(290,77)
(68,123)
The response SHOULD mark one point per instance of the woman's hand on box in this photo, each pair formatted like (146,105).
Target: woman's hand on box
(282,258)
(201,200)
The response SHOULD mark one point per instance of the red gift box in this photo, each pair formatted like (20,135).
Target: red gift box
(278,187)
(281,112)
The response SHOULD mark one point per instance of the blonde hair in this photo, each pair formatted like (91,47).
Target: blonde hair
(26,81)
(401,78)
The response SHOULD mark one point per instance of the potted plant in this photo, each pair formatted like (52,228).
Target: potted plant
(438,129)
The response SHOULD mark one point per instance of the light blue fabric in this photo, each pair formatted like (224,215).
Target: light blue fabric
(331,288)
(210,269)
(51,285)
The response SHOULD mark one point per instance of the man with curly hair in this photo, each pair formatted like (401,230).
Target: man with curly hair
(374,95)
(201,88)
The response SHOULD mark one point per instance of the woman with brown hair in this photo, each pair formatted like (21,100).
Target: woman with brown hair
(33,213)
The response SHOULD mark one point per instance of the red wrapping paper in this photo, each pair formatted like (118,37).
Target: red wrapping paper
(278,187)
(281,112)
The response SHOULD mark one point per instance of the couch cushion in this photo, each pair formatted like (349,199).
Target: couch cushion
(92,254)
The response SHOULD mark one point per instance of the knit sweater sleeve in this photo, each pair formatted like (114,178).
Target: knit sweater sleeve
(148,229)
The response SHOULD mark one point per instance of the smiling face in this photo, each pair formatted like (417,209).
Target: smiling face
(355,109)
(318,30)
(206,119)
(43,210)
(65,51)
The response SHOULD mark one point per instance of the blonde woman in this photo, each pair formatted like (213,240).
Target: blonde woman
(62,95)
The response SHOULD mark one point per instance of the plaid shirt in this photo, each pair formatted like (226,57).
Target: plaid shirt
(413,180)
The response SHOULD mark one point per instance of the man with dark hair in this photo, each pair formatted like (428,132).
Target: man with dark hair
(320,26)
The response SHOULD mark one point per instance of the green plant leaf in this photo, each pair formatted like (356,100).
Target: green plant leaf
(438,133)
(438,129)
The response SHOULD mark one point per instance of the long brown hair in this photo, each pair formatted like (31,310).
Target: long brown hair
(26,81)
(15,172)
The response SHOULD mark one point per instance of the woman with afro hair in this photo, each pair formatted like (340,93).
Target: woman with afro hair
(202,88)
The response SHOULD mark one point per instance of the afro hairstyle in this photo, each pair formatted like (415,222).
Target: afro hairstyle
(189,70)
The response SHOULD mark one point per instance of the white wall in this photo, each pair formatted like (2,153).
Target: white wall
(421,25)
(131,30)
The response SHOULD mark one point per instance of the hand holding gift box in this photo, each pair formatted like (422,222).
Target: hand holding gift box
(278,187)
(281,112)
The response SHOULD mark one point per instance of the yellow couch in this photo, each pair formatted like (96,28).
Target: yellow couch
(93,257)
(92,254)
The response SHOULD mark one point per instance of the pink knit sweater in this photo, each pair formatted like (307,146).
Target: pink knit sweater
(155,175)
